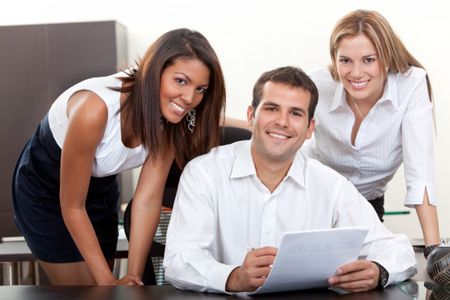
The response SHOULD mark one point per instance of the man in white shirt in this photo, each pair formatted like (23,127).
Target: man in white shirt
(234,203)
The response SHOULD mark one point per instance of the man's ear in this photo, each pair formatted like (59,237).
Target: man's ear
(310,129)
(250,115)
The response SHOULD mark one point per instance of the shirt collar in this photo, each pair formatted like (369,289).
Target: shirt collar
(389,94)
(243,165)
(338,98)
(298,169)
(390,91)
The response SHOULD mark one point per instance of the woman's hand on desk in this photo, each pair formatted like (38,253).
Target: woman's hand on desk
(357,276)
(130,280)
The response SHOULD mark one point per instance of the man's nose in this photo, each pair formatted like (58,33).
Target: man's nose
(283,119)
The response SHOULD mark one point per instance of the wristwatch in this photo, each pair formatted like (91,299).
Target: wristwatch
(384,276)
(428,249)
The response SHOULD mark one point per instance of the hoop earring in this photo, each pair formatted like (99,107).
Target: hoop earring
(190,118)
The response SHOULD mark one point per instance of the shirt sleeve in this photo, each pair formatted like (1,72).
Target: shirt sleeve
(393,251)
(189,259)
(417,146)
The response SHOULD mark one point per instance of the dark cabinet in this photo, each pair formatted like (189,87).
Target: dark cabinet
(37,63)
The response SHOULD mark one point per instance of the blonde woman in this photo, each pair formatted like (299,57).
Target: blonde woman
(375,113)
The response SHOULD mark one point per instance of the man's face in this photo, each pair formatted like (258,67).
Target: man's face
(280,122)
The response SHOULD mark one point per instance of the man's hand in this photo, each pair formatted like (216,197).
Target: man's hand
(357,276)
(253,271)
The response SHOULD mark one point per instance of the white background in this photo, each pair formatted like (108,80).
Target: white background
(253,36)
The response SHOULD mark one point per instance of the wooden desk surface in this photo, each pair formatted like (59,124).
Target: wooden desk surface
(168,292)
(18,251)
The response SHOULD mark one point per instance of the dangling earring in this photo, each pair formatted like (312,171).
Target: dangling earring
(190,118)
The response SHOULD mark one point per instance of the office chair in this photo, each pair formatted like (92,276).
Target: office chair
(228,135)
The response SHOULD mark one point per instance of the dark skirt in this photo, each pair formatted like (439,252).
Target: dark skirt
(37,210)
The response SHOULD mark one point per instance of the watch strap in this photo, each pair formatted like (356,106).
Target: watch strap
(383,278)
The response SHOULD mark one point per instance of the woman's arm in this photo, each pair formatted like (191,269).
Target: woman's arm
(418,157)
(87,115)
(146,209)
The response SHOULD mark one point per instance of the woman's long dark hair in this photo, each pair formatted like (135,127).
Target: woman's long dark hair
(143,102)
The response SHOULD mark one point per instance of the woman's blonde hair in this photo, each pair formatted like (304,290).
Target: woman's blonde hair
(391,51)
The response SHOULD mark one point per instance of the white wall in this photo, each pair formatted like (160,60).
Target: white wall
(256,35)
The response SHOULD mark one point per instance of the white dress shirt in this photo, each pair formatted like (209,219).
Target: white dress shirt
(222,210)
(399,128)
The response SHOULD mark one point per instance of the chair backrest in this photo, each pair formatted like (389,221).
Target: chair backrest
(228,135)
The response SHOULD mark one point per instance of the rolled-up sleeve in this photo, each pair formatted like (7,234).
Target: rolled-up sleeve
(393,251)
(418,152)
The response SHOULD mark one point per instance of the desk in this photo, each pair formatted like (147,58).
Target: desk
(14,255)
(168,292)
(18,251)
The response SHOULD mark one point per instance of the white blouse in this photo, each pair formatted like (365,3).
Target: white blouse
(399,128)
(111,156)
